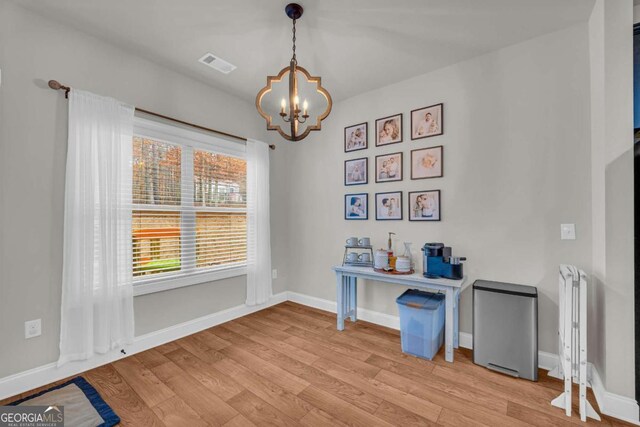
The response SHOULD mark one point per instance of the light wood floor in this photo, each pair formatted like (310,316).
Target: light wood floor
(288,366)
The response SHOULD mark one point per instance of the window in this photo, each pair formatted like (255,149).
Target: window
(189,216)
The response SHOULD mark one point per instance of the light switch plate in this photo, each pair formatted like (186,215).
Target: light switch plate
(32,328)
(274,273)
(568,231)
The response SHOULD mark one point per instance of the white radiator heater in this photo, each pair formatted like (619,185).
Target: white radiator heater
(572,334)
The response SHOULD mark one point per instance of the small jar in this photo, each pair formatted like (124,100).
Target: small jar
(381,259)
(403,264)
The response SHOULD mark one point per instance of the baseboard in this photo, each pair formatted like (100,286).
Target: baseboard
(610,404)
(36,377)
(614,405)
(465,340)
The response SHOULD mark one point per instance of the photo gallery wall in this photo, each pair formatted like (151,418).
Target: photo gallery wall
(425,163)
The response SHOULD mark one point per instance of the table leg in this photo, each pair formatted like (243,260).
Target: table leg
(448,325)
(456,319)
(340,300)
(353,298)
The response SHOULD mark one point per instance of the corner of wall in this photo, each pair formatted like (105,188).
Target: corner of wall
(611,66)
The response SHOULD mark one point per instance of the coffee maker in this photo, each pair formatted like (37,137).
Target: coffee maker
(438,262)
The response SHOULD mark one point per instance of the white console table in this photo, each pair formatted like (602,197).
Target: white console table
(347,297)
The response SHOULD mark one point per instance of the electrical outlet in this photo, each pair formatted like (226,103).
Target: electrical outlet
(32,328)
(274,273)
(567,231)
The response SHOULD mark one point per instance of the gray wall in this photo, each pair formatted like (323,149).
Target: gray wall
(526,130)
(32,164)
(516,166)
(611,57)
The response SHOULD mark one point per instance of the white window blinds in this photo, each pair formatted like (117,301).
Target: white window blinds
(189,194)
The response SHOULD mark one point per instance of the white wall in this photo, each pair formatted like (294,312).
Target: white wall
(32,163)
(516,161)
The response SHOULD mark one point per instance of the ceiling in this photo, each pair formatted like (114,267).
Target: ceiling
(355,45)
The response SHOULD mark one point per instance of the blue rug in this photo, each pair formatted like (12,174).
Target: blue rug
(83,405)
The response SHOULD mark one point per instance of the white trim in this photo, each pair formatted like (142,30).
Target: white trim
(315,302)
(36,377)
(174,282)
(613,405)
(177,134)
(376,317)
(548,361)
(465,340)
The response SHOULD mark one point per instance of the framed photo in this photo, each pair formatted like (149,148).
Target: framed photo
(426,163)
(389,167)
(389,206)
(389,130)
(356,206)
(424,205)
(356,171)
(427,121)
(356,137)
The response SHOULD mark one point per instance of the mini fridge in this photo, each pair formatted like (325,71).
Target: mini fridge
(505,328)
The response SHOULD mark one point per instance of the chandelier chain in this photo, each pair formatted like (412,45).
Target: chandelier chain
(293,58)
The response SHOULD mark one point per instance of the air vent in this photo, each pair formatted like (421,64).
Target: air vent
(217,63)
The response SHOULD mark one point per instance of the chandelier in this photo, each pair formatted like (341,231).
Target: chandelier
(292,84)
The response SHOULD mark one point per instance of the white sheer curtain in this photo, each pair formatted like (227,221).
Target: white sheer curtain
(97,292)
(258,226)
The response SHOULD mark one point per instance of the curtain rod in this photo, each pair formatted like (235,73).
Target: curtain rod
(56,85)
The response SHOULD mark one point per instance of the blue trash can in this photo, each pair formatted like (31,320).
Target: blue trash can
(421,322)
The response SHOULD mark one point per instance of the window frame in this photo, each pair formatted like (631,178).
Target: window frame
(188,140)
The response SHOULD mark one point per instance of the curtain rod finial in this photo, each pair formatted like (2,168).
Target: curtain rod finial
(54,84)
